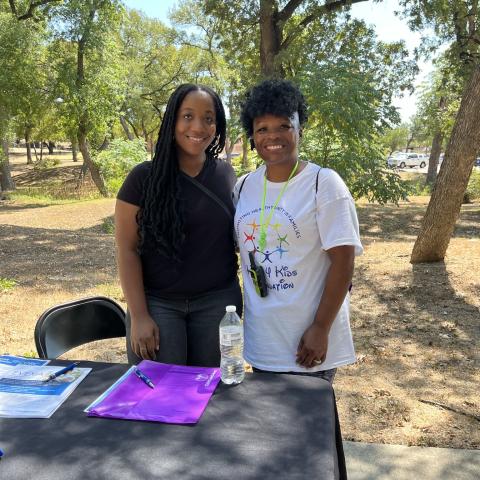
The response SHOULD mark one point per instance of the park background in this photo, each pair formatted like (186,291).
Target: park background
(83,85)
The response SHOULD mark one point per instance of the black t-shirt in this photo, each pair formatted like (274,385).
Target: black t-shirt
(208,259)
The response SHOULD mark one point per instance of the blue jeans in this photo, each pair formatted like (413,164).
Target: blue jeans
(189,326)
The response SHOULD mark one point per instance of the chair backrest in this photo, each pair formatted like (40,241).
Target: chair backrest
(72,324)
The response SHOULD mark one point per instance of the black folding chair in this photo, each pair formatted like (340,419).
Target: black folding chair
(72,324)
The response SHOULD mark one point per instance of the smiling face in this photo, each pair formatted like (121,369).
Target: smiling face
(276,138)
(195,125)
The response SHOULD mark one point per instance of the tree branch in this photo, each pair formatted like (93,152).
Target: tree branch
(288,10)
(451,409)
(13,8)
(31,8)
(328,7)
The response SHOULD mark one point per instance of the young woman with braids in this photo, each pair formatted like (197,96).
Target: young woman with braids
(175,250)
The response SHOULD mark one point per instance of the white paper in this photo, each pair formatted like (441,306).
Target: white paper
(25,394)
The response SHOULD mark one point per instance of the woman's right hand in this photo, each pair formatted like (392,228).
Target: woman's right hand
(145,337)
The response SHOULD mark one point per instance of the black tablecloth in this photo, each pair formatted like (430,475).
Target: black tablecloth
(268,427)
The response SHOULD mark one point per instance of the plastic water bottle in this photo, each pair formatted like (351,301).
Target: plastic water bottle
(231,347)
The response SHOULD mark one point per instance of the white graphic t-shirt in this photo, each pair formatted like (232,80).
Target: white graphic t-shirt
(304,225)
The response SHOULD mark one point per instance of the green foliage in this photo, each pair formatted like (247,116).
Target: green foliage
(120,157)
(108,225)
(361,165)
(416,184)
(349,85)
(46,163)
(30,354)
(6,284)
(439,98)
(394,139)
(52,193)
(473,188)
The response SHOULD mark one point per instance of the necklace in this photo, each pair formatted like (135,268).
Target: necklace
(262,241)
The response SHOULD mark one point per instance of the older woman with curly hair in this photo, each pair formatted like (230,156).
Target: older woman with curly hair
(298,235)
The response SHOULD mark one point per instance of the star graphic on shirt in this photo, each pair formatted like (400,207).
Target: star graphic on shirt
(281,251)
(283,239)
(248,237)
(276,226)
(253,225)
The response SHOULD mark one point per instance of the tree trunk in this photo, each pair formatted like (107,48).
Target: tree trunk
(41,151)
(6,180)
(446,200)
(74,150)
(434,156)
(28,130)
(105,144)
(125,128)
(51,146)
(83,120)
(228,150)
(270,39)
(34,144)
(87,159)
(245,161)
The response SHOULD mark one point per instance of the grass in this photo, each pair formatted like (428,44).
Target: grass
(48,195)
(6,284)
(108,226)
(111,290)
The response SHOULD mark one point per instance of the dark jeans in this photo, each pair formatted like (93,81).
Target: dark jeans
(189,326)
(328,375)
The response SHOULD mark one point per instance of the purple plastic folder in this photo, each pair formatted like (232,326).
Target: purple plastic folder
(180,395)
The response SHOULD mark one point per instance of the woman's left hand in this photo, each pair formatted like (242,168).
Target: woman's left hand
(312,349)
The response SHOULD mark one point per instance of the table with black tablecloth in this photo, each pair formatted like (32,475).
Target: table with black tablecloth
(269,427)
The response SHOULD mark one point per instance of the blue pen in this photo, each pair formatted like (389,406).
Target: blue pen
(143,377)
(61,372)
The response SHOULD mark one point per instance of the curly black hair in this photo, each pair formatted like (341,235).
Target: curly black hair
(161,216)
(276,97)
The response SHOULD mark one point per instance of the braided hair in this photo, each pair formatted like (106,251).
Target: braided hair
(161,217)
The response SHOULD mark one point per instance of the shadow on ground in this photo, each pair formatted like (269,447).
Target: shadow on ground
(46,258)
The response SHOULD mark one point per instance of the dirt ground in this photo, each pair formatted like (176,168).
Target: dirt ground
(416,328)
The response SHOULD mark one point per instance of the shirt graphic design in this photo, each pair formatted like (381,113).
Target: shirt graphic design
(274,259)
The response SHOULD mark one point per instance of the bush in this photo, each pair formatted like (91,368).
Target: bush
(416,185)
(46,163)
(117,161)
(473,187)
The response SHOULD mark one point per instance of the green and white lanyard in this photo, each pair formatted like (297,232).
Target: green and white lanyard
(262,241)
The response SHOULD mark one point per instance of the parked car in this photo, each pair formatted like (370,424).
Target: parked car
(402,160)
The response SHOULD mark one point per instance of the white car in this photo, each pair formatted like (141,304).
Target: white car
(402,160)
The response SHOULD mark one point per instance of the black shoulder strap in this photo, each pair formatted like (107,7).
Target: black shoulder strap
(241,185)
(208,192)
(316,181)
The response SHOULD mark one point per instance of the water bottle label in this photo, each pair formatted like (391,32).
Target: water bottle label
(228,339)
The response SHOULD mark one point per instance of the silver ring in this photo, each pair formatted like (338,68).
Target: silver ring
(317,362)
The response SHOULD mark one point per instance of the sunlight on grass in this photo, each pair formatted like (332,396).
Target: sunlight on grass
(111,290)
(6,284)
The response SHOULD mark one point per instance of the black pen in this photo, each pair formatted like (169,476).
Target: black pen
(143,377)
(61,372)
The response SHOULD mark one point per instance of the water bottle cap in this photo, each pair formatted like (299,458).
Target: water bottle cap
(231,308)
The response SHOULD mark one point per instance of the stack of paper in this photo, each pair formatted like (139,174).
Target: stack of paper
(24,392)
